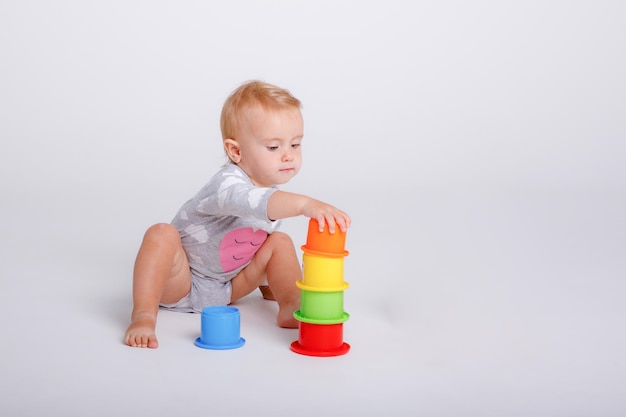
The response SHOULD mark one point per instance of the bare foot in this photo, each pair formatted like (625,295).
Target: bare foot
(285,316)
(141,333)
(267,292)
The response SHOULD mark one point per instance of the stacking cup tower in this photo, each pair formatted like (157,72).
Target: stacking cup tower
(321,313)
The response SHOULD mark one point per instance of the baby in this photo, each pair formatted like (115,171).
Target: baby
(224,242)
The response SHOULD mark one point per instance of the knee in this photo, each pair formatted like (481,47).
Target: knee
(280,240)
(162,232)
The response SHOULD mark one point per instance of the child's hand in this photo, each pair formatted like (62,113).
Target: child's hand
(325,213)
(284,204)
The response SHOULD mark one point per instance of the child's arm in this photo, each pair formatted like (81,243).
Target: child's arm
(283,204)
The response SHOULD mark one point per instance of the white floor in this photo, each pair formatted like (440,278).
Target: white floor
(461,305)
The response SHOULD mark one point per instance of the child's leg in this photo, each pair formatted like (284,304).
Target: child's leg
(266,292)
(277,262)
(161,275)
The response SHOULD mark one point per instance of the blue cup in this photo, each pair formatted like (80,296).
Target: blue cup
(220,328)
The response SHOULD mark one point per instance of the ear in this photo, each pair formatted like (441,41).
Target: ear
(232,150)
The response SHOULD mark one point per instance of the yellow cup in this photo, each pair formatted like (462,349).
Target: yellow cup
(322,271)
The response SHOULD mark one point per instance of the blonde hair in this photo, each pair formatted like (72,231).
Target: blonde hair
(250,94)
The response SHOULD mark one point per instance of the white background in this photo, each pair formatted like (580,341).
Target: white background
(479,146)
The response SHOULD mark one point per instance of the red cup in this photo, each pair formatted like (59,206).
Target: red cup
(320,340)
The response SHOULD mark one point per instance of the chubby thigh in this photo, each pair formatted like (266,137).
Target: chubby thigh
(178,284)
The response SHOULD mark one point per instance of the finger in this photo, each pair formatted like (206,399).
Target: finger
(347,221)
(342,220)
(320,221)
(331,224)
(343,224)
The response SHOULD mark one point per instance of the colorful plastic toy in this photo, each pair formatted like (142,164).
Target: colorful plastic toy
(321,314)
(220,328)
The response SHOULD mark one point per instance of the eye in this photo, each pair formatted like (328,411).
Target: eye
(295,145)
(272,148)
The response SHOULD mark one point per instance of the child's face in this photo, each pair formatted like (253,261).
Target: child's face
(269,145)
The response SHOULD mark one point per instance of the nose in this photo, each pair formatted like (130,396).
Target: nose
(287,155)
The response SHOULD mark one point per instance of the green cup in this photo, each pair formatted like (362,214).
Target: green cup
(321,306)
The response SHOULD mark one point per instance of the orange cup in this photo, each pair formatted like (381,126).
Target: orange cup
(325,242)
